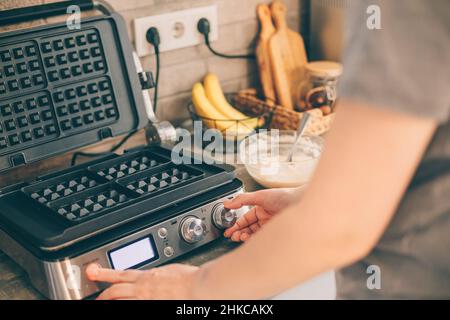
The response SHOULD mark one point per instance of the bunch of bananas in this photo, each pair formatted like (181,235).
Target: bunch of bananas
(210,104)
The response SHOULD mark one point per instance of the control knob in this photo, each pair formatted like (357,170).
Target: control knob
(223,218)
(192,229)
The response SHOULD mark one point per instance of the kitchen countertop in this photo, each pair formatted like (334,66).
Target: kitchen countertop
(14,283)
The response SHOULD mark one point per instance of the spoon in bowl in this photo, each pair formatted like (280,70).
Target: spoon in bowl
(301,129)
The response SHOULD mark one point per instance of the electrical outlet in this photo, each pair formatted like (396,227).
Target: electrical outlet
(177,29)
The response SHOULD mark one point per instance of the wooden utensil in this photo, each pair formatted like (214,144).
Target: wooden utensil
(288,56)
(262,51)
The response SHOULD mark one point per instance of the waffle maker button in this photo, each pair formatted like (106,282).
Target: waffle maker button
(162,233)
(192,229)
(223,218)
(168,251)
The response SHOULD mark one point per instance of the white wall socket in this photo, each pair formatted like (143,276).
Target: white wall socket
(177,29)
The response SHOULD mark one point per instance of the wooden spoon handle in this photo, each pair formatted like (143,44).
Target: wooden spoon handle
(265,19)
(279,11)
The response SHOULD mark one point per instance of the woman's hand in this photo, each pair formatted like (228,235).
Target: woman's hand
(266,204)
(174,281)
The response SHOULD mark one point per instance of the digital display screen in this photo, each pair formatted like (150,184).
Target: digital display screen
(133,255)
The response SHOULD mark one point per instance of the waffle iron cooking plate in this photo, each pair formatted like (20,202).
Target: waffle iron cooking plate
(62,89)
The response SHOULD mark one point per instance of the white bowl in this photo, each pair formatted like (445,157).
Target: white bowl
(264,156)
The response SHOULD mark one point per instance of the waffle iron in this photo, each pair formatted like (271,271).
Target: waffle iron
(62,89)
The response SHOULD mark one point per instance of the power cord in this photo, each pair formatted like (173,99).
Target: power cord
(99,154)
(154,39)
(204,27)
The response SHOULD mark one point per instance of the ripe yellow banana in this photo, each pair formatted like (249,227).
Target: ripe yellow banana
(217,98)
(205,108)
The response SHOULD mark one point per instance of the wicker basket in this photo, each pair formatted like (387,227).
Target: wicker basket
(281,118)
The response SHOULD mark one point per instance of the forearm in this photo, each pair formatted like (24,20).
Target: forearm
(341,215)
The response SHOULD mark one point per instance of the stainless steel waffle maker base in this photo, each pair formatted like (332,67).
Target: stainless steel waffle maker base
(137,210)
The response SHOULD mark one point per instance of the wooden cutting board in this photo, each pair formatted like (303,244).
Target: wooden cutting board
(262,51)
(288,57)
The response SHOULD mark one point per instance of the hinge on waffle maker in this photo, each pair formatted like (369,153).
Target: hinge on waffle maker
(157,132)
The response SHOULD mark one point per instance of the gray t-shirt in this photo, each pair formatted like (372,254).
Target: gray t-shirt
(405,66)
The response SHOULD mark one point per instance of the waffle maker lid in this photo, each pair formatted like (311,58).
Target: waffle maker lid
(64,88)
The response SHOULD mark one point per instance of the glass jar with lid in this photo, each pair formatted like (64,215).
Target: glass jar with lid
(318,89)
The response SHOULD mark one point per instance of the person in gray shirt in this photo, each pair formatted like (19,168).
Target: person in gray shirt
(378,206)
